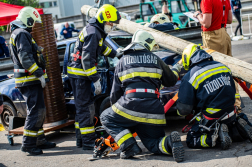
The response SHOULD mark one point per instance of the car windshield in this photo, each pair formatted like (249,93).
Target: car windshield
(190,5)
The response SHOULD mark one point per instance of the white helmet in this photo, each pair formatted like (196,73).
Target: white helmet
(160,18)
(27,17)
(144,38)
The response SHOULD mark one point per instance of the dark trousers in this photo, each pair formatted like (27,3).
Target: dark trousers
(36,112)
(238,18)
(121,129)
(83,97)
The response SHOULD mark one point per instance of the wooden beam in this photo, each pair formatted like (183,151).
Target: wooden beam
(239,68)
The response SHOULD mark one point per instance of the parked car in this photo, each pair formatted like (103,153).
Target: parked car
(15,105)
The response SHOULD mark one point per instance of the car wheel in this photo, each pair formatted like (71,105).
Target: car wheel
(8,110)
(105,104)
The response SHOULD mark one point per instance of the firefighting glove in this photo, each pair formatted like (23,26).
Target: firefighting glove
(97,86)
(42,80)
(177,67)
(119,52)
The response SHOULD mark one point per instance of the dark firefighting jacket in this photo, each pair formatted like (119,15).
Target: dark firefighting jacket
(135,90)
(208,86)
(24,54)
(87,48)
(163,27)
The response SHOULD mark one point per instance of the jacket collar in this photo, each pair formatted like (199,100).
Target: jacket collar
(94,22)
(200,56)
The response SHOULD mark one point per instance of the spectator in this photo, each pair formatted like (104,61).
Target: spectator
(214,35)
(67,31)
(4,51)
(236,7)
(166,11)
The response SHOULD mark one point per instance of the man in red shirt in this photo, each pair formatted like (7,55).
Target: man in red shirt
(214,17)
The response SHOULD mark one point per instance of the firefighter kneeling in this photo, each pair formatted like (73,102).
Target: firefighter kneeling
(135,101)
(209,90)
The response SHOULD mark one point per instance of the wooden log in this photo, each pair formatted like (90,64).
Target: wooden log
(239,68)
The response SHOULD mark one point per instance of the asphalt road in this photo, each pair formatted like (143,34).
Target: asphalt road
(66,154)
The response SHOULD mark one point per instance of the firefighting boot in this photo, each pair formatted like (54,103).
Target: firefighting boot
(79,143)
(224,138)
(32,150)
(47,145)
(131,151)
(88,146)
(244,129)
(175,146)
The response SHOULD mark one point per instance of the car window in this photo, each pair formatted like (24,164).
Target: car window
(100,60)
(177,7)
(61,50)
(122,41)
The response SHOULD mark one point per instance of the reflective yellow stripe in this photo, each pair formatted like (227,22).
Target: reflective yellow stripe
(28,78)
(77,125)
(140,74)
(101,42)
(203,141)
(237,95)
(87,130)
(179,113)
(81,37)
(162,146)
(107,51)
(207,74)
(175,72)
(124,138)
(81,72)
(212,110)
(138,119)
(30,133)
(40,132)
(33,41)
(198,118)
(33,68)
(12,41)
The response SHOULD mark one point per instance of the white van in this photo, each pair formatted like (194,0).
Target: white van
(59,26)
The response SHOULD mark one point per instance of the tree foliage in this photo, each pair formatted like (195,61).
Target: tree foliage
(32,3)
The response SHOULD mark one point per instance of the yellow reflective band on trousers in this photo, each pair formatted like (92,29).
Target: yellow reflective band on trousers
(123,139)
(212,110)
(81,72)
(237,95)
(33,68)
(28,78)
(87,130)
(30,133)
(203,141)
(77,125)
(140,74)
(162,146)
(107,51)
(40,132)
(158,119)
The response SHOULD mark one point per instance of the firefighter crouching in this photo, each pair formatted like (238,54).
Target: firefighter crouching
(82,71)
(135,101)
(30,79)
(208,88)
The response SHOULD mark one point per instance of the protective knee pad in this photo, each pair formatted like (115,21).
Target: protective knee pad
(41,117)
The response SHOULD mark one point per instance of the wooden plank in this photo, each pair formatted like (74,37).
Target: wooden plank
(20,130)
(239,68)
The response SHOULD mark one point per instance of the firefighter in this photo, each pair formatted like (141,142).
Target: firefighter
(208,90)
(82,71)
(30,79)
(161,22)
(135,101)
